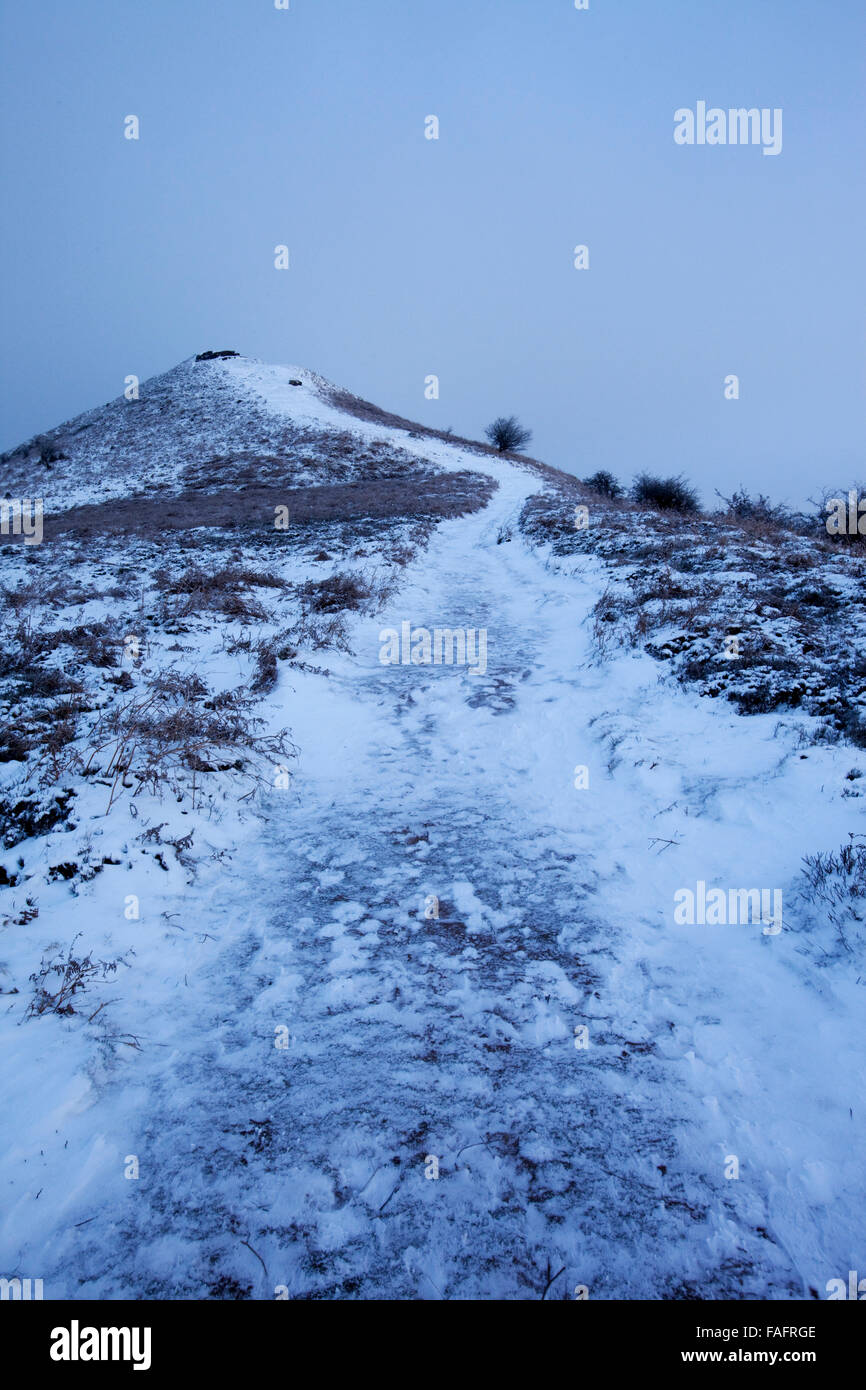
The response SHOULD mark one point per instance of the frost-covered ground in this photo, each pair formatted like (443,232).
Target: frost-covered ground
(292,1045)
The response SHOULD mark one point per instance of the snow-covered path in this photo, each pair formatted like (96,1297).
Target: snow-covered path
(417,1045)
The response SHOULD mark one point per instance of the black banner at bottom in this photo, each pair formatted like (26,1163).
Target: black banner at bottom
(149,1338)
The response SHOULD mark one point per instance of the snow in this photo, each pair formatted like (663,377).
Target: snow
(451,1036)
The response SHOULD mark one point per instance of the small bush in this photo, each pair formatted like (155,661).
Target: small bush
(604,483)
(836,884)
(171,731)
(508,435)
(265,677)
(346,589)
(219,591)
(668,494)
(320,632)
(34,815)
(58,981)
(27,650)
(741,506)
(851,723)
(195,580)
(49,450)
(15,744)
(24,915)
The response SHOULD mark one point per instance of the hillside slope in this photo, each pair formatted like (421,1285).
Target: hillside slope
(384,996)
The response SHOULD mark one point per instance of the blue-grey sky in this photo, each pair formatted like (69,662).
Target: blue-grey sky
(410,256)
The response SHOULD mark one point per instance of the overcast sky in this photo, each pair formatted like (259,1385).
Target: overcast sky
(454,257)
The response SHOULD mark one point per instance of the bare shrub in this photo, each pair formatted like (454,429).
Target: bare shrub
(668,494)
(58,751)
(664,584)
(15,742)
(605,618)
(169,734)
(508,435)
(604,483)
(97,642)
(28,652)
(852,724)
(22,916)
(320,632)
(741,506)
(37,593)
(345,590)
(402,554)
(49,450)
(34,815)
(57,982)
(265,677)
(220,591)
(836,884)
(194,579)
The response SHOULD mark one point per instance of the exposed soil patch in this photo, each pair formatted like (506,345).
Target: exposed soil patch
(452,494)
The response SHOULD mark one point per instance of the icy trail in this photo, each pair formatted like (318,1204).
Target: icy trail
(418,1045)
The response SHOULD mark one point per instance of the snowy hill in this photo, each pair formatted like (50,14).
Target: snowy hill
(333,970)
(226,422)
